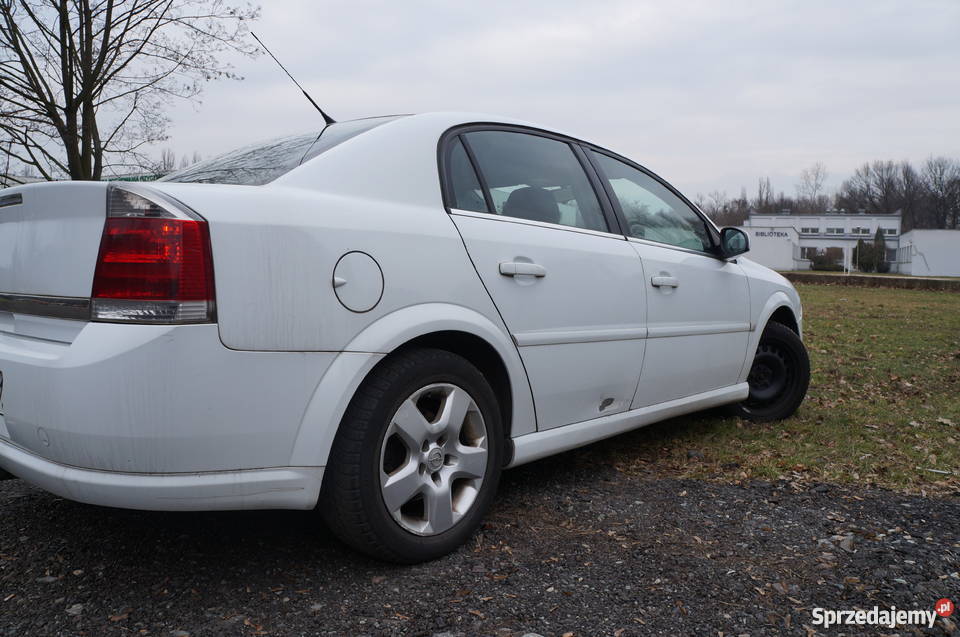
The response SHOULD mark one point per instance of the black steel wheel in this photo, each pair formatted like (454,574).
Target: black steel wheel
(779,376)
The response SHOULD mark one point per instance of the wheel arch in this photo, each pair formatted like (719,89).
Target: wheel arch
(484,357)
(778,309)
(453,328)
(785,316)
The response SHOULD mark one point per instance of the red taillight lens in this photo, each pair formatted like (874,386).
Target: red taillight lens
(161,259)
(154,265)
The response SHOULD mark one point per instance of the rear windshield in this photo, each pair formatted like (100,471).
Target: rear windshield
(262,163)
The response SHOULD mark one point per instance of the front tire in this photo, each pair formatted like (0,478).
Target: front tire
(779,376)
(416,462)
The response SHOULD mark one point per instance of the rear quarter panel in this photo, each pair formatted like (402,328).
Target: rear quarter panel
(275,249)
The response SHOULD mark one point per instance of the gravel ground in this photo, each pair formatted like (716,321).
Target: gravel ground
(572,546)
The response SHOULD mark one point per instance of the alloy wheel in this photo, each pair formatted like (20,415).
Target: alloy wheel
(433,459)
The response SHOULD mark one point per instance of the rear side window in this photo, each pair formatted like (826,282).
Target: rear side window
(536,178)
(465,188)
(262,163)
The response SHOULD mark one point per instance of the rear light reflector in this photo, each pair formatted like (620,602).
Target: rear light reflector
(155,262)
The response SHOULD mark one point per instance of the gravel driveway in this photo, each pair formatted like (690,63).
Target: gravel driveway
(572,546)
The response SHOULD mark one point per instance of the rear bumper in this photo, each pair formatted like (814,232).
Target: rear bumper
(275,488)
(149,400)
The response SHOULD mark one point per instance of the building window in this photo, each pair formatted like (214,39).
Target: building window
(891,255)
(860,230)
(834,230)
(889,231)
(808,253)
(809,231)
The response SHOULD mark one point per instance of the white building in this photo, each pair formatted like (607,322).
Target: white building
(929,253)
(789,241)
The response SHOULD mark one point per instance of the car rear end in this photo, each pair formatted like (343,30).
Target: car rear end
(114,385)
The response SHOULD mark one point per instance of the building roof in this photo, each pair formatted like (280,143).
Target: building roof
(825,213)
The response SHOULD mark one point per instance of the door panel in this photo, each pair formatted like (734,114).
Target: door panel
(698,306)
(697,325)
(573,302)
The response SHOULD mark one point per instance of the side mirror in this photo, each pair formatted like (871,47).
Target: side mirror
(733,241)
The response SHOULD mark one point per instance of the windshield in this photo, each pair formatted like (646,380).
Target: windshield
(262,163)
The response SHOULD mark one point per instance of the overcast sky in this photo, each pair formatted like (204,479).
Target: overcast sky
(709,94)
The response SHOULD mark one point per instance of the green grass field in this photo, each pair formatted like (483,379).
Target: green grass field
(883,406)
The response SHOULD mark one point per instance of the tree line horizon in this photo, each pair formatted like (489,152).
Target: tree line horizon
(927,197)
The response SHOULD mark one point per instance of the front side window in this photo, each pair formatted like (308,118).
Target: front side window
(535,178)
(652,211)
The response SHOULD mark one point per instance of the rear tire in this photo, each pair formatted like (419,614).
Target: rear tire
(417,459)
(779,376)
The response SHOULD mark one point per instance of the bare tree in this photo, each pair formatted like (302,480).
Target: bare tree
(856,193)
(886,185)
(812,180)
(84,83)
(168,161)
(717,201)
(941,177)
(872,187)
(764,201)
(912,196)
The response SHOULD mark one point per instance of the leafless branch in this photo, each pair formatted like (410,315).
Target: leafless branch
(84,83)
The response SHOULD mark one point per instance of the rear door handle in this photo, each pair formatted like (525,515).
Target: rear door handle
(664,282)
(514,268)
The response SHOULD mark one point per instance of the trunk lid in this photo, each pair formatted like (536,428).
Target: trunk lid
(50,238)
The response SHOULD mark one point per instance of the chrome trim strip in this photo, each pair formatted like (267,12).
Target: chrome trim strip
(561,337)
(657,244)
(530,222)
(64,307)
(696,329)
(11,200)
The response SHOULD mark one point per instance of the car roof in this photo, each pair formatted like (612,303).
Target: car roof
(396,161)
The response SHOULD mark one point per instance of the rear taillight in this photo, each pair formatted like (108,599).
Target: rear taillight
(155,262)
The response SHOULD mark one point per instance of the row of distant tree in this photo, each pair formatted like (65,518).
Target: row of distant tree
(168,161)
(928,196)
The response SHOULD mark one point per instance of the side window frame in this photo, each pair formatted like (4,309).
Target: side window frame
(446,169)
(447,140)
(711,228)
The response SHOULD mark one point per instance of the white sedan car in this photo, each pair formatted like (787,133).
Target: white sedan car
(372,321)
